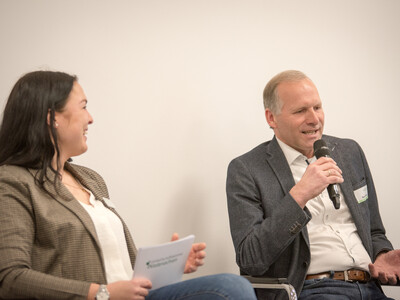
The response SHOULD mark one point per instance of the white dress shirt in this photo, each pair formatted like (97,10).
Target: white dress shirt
(334,241)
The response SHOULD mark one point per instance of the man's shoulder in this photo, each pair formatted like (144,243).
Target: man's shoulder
(345,143)
(254,159)
(256,152)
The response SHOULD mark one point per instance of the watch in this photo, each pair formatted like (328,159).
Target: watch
(102,293)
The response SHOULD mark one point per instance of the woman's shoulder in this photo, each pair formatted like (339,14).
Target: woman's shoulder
(85,172)
(14,171)
(17,176)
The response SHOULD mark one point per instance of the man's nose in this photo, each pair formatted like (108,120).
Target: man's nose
(312,116)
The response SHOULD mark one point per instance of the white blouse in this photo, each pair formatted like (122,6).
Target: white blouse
(111,236)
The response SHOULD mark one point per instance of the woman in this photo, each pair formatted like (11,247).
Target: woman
(60,237)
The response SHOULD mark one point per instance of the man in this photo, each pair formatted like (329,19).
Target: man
(283,223)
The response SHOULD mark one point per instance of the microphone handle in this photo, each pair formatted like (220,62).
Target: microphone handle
(334,195)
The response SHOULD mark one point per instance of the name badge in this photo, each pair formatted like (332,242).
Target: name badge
(361,194)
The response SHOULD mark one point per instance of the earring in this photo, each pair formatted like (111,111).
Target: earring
(56,124)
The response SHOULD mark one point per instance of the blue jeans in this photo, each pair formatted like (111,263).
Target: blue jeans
(331,289)
(213,287)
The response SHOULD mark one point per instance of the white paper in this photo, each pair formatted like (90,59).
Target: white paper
(163,264)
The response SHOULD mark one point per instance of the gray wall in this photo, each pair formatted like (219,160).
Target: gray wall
(175,89)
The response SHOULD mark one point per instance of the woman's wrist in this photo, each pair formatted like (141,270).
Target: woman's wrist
(94,287)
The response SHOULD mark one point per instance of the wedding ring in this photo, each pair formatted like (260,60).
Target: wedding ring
(329,173)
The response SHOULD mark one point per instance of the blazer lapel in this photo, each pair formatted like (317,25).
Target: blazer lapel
(348,193)
(92,185)
(62,195)
(346,186)
(278,163)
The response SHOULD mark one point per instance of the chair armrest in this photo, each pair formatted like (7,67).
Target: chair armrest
(387,284)
(268,280)
(272,283)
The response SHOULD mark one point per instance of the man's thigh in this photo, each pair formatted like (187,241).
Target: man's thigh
(330,289)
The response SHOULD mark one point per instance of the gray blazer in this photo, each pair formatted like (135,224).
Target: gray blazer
(268,227)
(48,243)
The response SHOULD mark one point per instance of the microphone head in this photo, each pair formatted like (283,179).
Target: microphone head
(321,149)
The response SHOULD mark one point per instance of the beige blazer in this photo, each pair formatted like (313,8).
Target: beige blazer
(48,243)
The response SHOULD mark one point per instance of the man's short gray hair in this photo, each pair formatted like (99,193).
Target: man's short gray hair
(270,95)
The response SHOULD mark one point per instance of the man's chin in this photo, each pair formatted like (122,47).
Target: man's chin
(314,137)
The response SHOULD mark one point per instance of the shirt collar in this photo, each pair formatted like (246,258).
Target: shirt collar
(291,154)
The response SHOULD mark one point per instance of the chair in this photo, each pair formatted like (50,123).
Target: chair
(272,283)
(280,283)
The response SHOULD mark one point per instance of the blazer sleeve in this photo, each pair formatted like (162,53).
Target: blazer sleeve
(264,220)
(377,230)
(17,234)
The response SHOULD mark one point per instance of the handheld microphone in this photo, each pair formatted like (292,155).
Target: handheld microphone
(321,150)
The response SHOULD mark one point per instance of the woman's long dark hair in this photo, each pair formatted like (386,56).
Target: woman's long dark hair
(27,139)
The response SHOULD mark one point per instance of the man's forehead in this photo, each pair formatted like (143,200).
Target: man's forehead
(291,85)
(296,88)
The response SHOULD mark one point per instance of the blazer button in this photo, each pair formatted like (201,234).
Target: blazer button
(295,228)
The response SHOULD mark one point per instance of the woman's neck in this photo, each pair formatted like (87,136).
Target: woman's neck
(59,167)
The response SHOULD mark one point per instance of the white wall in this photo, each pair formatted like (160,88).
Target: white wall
(175,89)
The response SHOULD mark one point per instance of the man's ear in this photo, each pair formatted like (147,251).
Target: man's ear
(270,118)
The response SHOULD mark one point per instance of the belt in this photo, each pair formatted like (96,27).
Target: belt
(348,275)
